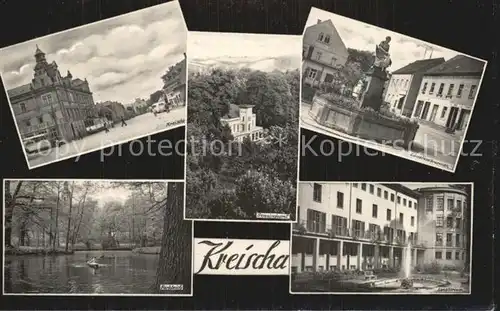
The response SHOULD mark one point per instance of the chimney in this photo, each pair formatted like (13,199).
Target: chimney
(319,21)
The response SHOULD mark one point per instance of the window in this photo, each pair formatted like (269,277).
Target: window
(471,92)
(312,73)
(355,185)
(321,36)
(439,239)
(457,255)
(433,85)
(340,199)
(379,192)
(448,255)
(412,221)
(429,204)
(424,88)
(450,204)
(440,91)
(317,192)
(401,218)
(404,202)
(439,221)
(440,204)
(47,98)
(372,189)
(392,197)
(439,255)
(457,223)
(449,237)
(316,221)
(409,203)
(457,240)
(374,211)
(450,90)
(23,107)
(327,39)
(40,120)
(449,222)
(359,227)
(388,215)
(333,61)
(443,112)
(399,199)
(28,123)
(339,225)
(359,206)
(460,90)
(318,55)
(386,194)
(363,186)
(459,206)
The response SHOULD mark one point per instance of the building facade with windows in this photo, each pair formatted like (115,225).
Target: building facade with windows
(448,91)
(175,88)
(51,104)
(354,226)
(444,224)
(323,54)
(402,89)
(243,123)
(367,226)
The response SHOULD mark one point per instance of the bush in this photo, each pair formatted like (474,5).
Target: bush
(431,268)
(308,93)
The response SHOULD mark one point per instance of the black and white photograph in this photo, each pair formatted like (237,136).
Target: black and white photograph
(96,237)
(97,85)
(242,130)
(387,91)
(382,238)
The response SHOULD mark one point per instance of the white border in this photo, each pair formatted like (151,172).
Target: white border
(393,293)
(377,146)
(96,294)
(104,146)
(298,145)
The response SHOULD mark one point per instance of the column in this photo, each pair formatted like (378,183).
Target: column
(340,250)
(315,254)
(391,256)
(414,257)
(360,256)
(376,256)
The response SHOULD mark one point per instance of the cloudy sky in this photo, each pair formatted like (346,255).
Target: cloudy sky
(122,58)
(205,45)
(361,36)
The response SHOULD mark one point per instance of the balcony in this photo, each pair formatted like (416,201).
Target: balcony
(449,244)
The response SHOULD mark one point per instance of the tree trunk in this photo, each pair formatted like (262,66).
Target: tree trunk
(56,241)
(10,203)
(70,199)
(174,266)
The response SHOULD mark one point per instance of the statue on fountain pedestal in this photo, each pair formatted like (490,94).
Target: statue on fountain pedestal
(382,57)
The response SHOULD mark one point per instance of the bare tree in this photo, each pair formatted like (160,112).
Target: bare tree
(10,203)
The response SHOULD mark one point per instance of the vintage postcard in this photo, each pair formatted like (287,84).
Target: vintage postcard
(88,237)
(243,123)
(97,85)
(387,91)
(382,238)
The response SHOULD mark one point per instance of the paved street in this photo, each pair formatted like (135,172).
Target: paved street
(137,127)
(431,146)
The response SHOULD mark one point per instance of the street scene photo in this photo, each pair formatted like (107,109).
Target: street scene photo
(382,238)
(96,237)
(97,85)
(387,91)
(242,130)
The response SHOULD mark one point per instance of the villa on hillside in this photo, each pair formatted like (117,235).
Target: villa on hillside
(242,122)
(323,53)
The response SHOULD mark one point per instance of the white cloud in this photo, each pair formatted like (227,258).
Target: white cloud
(362,36)
(122,58)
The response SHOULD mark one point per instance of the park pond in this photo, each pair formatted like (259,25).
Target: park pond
(121,272)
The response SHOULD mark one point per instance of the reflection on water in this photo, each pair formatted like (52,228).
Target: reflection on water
(121,272)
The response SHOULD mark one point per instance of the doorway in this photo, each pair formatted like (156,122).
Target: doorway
(433,112)
(452,117)
(426,110)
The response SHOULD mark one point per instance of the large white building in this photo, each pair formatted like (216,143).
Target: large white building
(323,54)
(448,91)
(361,226)
(243,123)
(402,89)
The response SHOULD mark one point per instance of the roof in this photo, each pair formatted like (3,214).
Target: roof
(23,89)
(402,189)
(419,66)
(458,65)
(234,112)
